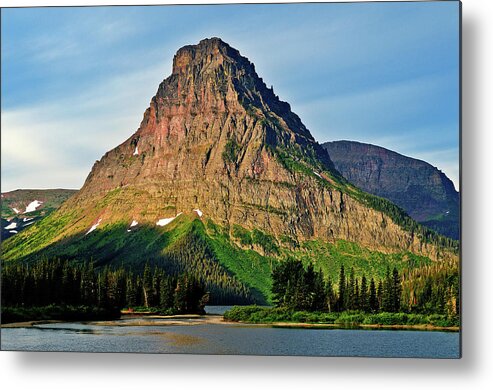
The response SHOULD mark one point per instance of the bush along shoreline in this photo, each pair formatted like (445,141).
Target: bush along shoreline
(347,319)
(11,314)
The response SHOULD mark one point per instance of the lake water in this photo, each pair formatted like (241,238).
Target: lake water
(194,336)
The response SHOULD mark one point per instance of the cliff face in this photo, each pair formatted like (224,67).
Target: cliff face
(218,144)
(423,191)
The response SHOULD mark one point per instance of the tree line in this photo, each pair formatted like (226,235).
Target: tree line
(60,282)
(305,289)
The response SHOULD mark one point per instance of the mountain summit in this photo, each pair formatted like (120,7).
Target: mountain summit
(217,147)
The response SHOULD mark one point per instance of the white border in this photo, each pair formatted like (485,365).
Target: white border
(473,371)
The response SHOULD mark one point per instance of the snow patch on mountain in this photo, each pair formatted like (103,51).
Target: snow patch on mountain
(93,227)
(13,225)
(165,221)
(33,206)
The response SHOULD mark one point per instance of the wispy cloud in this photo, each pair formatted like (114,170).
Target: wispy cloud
(42,144)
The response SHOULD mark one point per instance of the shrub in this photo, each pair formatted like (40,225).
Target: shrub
(350,318)
(267,242)
(243,235)
(231,150)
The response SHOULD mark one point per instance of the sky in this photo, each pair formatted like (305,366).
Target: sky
(76,81)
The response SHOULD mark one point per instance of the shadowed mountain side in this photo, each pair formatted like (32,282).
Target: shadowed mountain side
(183,248)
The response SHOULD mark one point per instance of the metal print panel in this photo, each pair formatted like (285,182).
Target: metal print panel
(268,179)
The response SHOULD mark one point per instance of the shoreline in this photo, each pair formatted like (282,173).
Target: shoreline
(421,327)
(217,319)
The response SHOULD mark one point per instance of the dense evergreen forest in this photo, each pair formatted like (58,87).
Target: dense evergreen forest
(58,282)
(88,293)
(431,290)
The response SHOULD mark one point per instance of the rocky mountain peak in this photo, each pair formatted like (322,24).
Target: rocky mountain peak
(213,96)
(209,54)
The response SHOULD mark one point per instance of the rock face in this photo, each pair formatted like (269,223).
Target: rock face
(217,140)
(422,190)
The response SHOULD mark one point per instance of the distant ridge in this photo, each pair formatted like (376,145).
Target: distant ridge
(422,190)
(24,207)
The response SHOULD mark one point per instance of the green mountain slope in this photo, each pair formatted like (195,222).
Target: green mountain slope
(235,265)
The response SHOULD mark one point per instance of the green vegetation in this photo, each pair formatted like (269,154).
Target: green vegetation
(233,274)
(52,199)
(248,266)
(400,217)
(296,161)
(304,295)
(183,247)
(266,315)
(57,289)
(266,241)
(231,150)
(243,235)
(329,257)
(57,312)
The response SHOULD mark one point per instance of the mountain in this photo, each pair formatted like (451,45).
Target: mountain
(22,208)
(222,179)
(422,190)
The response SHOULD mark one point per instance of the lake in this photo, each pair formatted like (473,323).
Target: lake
(199,336)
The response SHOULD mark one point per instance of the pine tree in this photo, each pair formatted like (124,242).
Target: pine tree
(373,298)
(131,300)
(342,290)
(147,285)
(331,300)
(396,291)
(350,291)
(364,295)
(319,297)
(356,295)
(387,293)
(380,294)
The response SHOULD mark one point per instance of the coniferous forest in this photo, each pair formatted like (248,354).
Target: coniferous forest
(429,295)
(63,290)
(95,293)
(298,288)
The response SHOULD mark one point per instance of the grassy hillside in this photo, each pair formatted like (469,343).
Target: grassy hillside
(235,263)
(19,199)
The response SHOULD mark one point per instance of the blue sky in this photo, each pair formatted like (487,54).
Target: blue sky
(76,81)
